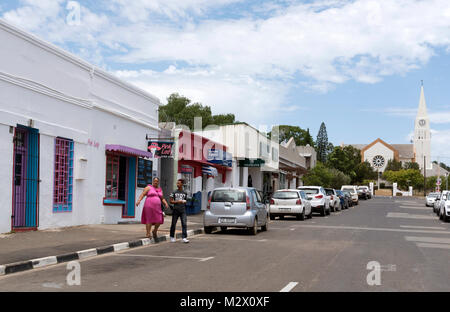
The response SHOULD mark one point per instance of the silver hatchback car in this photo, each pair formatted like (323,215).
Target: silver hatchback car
(240,207)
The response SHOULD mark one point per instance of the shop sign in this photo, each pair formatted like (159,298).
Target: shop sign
(219,157)
(161,149)
(251,162)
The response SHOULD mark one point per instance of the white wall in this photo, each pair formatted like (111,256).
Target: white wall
(64,97)
(379,149)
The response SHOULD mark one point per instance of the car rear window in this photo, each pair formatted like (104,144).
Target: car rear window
(310,191)
(229,196)
(349,190)
(329,192)
(285,195)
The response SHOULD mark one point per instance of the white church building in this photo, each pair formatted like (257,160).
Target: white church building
(378,153)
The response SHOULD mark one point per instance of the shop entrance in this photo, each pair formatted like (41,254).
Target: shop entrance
(25,179)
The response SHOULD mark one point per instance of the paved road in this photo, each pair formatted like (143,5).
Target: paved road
(322,254)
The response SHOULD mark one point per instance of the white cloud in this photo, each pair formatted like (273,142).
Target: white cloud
(256,58)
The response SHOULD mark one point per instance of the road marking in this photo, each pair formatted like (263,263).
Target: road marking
(423,227)
(421,239)
(430,245)
(415,207)
(289,287)
(168,257)
(237,239)
(409,216)
(373,229)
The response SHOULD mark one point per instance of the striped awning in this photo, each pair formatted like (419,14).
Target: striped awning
(127,150)
(210,170)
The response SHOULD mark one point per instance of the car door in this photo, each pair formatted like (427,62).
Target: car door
(261,209)
(306,202)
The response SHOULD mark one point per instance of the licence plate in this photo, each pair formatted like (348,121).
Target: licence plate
(285,209)
(227,220)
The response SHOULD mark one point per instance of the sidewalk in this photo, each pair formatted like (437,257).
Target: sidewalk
(18,247)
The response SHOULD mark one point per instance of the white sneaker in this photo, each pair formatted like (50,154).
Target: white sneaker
(185,240)
(172,240)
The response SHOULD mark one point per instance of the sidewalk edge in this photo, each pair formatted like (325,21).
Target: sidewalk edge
(21,266)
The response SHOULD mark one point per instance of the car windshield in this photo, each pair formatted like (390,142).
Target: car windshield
(229,196)
(310,191)
(433,195)
(349,190)
(285,195)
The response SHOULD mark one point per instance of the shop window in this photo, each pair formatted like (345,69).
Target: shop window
(112,176)
(63,176)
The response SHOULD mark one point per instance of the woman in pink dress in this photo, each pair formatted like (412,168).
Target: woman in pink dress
(152,213)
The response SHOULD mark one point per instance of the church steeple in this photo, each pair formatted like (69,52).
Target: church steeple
(422,112)
(422,133)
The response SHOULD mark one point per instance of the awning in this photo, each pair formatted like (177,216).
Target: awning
(127,150)
(210,170)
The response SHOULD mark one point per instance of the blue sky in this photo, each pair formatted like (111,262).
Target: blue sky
(356,65)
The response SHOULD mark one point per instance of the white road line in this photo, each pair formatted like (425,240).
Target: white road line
(168,257)
(236,239)
(289,287)
(373,229)
(423,227)
(409,216)
(416,207)
(421,239)
(430,245)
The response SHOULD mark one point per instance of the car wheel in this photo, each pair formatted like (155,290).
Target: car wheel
(254,229)
(208,229)
(324,211)
(310,214)
(440,215)
(265,227)
(301,216)
(223,228)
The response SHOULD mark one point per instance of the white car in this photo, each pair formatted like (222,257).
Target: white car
(431,198)
(320,202)
(335,201)
(444,206)
(290,203)
(353,191)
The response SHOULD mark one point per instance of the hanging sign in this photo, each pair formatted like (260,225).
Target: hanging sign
(161,149)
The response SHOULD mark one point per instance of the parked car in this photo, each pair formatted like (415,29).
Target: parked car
(335,202)
(353,191)
(290,203)
(436,205)
(444,206)
(364,192)
(318,198)
(240,207)
(430,199)
(349,198)
(344,200)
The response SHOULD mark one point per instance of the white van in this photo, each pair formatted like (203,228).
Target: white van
(353,190)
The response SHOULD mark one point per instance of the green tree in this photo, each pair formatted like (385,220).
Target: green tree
(364,171)
(405,178)
(393,165)
(345,159)
(301,137)
(411,165)
(322,143)
(180,110)
(326,177)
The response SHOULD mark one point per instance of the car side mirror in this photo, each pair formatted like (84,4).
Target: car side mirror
(266,201)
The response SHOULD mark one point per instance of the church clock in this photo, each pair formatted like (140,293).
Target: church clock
(422,122)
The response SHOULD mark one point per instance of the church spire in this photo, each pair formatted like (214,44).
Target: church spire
(422,112)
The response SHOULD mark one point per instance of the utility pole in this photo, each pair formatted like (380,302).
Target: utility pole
(424,177)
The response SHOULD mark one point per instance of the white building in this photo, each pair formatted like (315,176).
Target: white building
(255,157)
(71,138)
